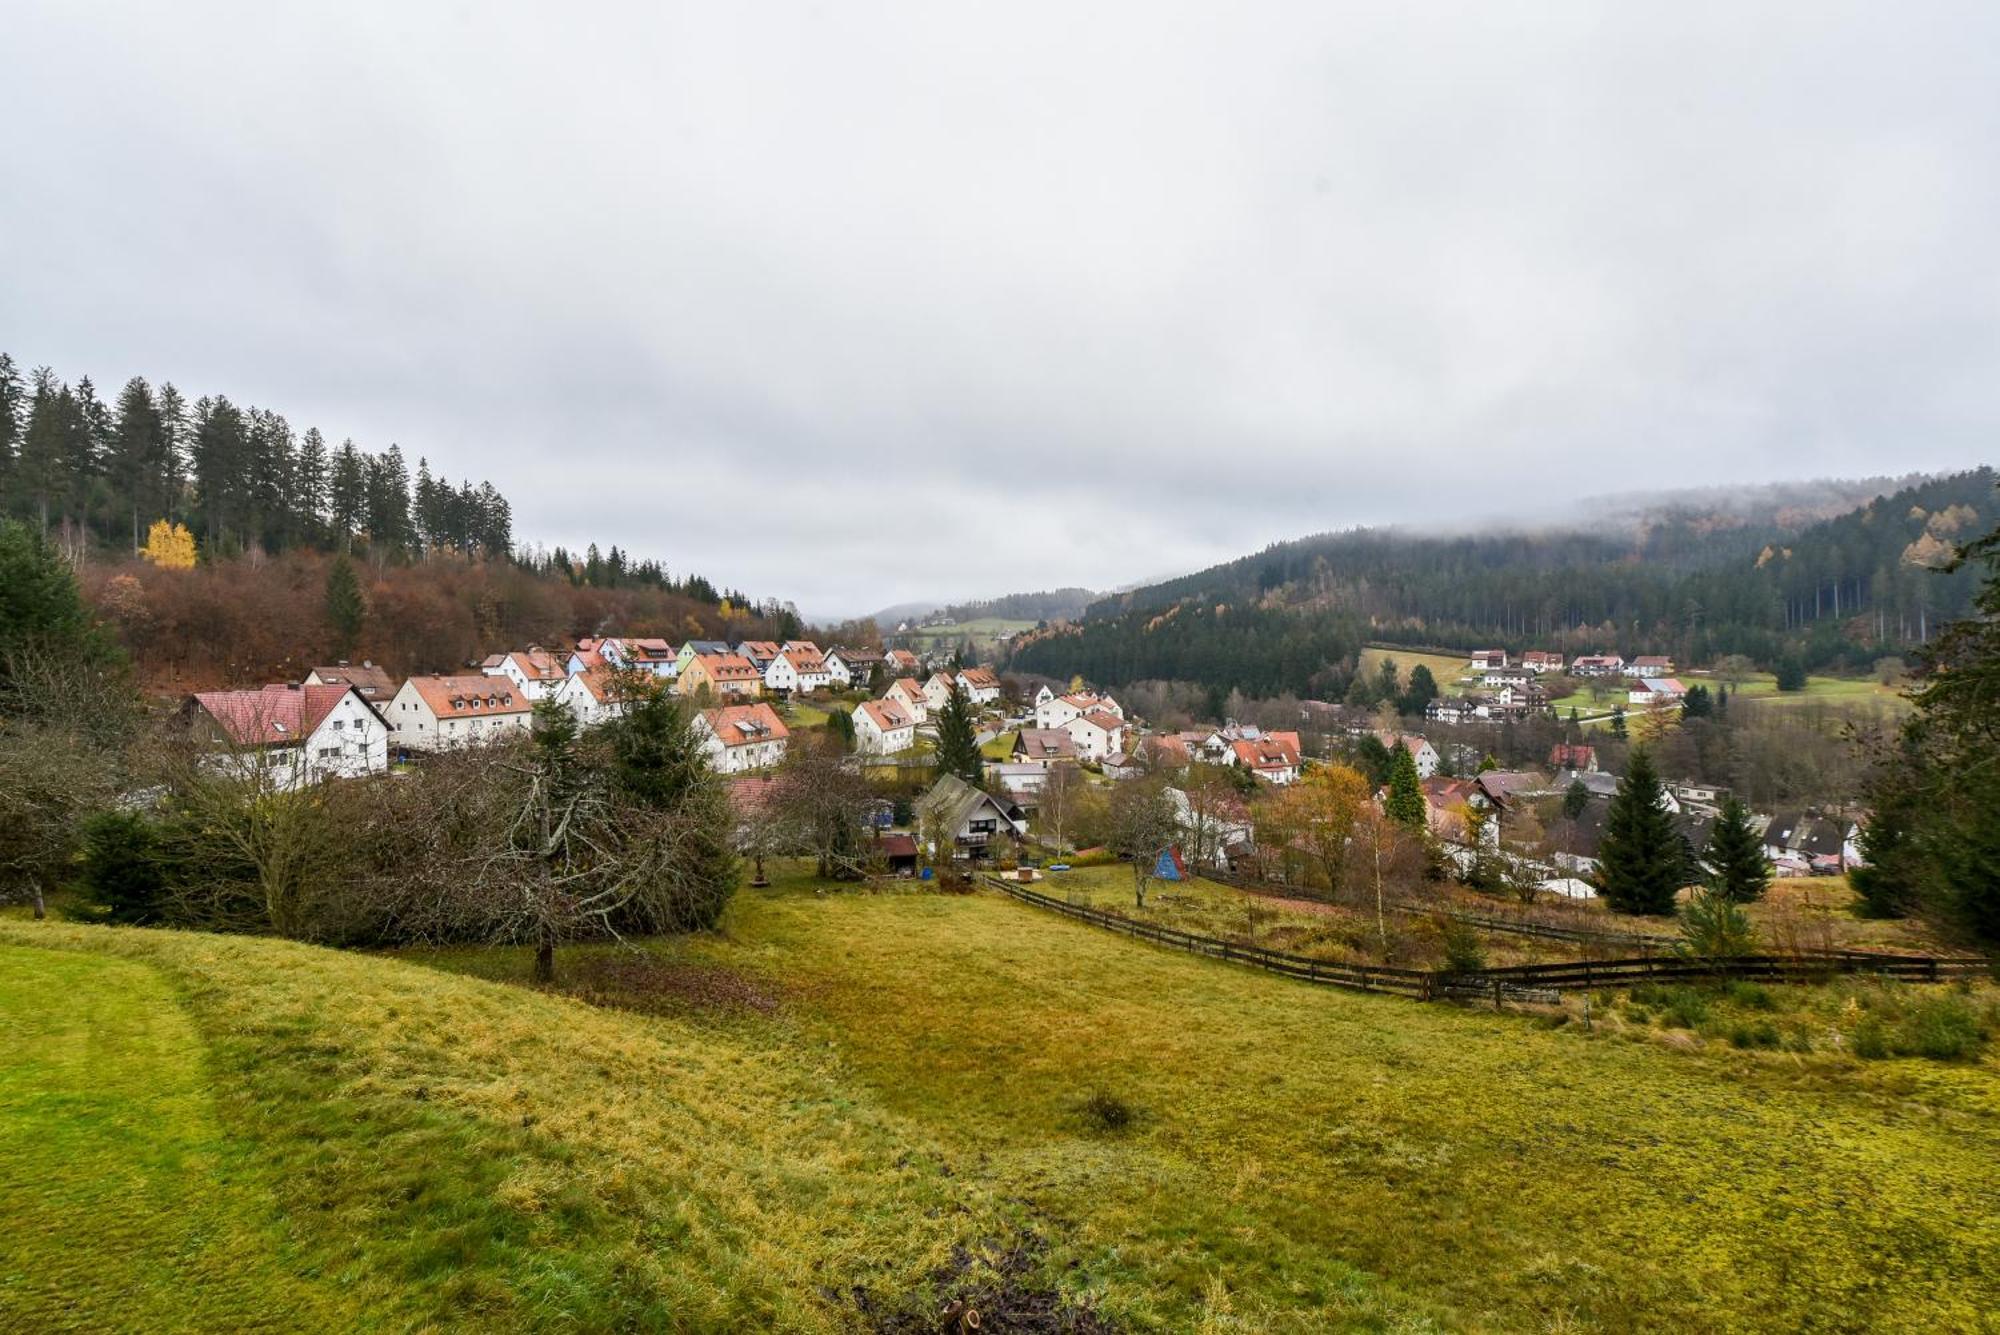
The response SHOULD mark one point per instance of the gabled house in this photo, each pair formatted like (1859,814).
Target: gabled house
(882,728)
(291,735)
(1165,751)
(938,690)
(594,696)
(904,663)
(908,695)
(1273,757)
(1597,665)
(740,738)
(854,667)
(968,820)
(370,682)
(1058,710)
(1096,734)
(693,649)
(650,655)
(1573,755)
(723,676)
(1650,665)
(1650,691)
(1043,746)
(536,673)
(442,713)
(1445,804)
(1420,749)
(981,687)
(1539,661)
(1487,660)
(759,652)
(799,668)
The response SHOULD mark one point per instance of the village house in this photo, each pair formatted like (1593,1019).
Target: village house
(1420,749)
(1516,678)
(981,687)
(595,696)
(1650,665)
(938,690)
(968,821)
(1573,755)
(740,738)
(1273,757)
(1803,843)
(809,663)
(292,735)
(1043,746)
(693,649)
(370,682)
(647,655)
(854,667)
(536,673)
(908,696)
(443,713)
(723,676)
(1096,734)
(882,728)
(1058,710)
(1597,665)
(1650,691)
(758,652)
(1165,751)
(904,663)
(1539,661)
(1488,660)
(1216,828)
(1023,782)
(1123,765)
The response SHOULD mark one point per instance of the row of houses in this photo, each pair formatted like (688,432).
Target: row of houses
(1495,663)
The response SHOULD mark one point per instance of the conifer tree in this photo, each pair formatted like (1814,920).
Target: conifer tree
(347,495)
(135,450)
(1405,801)
(309,482)
(1576,799)
(957,742)
(1735,856)
(1642,862)
(1618,722)
(12,398)
(346,609)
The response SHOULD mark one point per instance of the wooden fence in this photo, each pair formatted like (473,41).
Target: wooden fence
(1520,982)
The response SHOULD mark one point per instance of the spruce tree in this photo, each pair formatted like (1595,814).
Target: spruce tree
(1618,722)
(1576,799)
(1736,867)
(347,494)
(12,397)
(309,486)
(1642,861)
(1405,802)
(346,609)
(957,742)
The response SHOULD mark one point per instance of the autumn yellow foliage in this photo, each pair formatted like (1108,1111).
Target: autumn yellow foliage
(169,546)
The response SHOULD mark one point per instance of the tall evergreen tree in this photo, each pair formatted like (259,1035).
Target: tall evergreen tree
(1404,803)
(1642,861)
(1735,856)
(171,469)
(347,495)
(957,741)
(13,400)
(309,483)
(346,609)
(219,454)
(43,465)
(135,453)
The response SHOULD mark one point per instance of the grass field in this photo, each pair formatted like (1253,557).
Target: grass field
(1760,690)
(1446,668)
(984,632)
(842,1090)
(1000,748)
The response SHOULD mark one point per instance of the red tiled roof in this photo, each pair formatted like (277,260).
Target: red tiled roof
(743,725)
(887,715)
(368,679)
(1108,722)
(455,697)
(728,667)
(274,716)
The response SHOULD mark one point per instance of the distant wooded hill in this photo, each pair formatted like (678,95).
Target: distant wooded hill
(1767,582)
(1043,605)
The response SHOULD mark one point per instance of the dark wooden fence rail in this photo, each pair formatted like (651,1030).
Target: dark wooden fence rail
(1531,982)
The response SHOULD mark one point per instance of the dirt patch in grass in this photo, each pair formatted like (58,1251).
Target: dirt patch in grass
(638,980)
(994,1287)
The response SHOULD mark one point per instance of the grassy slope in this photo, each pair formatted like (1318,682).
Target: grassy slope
(1447,669)
(1302,1159)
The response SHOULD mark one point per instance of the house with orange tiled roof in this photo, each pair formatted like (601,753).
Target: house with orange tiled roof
(599,694)
(759,652)
(1058,710)
(981,687)
(1096,734)
(444,713)
(883,727)
(798,668)
(740,738)
(723,676)
(908,694)
(538,673)
(290,736)
(904,662)
(1272,756)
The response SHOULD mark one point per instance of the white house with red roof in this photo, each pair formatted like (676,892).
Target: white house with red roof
(1058,710)
(883,727)
(1271,756)
(293,735)
(981,687)
(443,713)
(908,695)
(1420,749)
(740,738)
(1096,735)
(596,696)
(798,668)
(538,673)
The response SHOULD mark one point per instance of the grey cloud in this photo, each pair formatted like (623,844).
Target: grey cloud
(1078,294)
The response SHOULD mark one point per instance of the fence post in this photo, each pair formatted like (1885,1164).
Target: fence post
(1496,992)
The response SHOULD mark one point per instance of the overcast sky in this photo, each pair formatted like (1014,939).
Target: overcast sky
(854,304)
